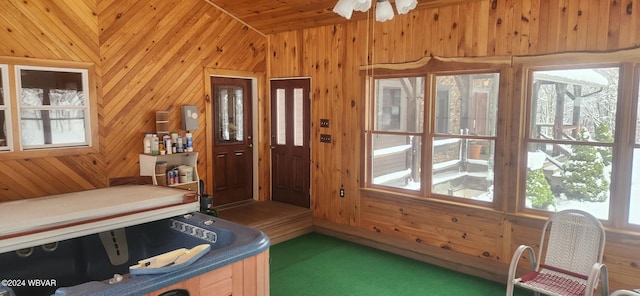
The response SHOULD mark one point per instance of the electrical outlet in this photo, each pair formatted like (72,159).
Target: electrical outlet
(341,192)
(324,122)
(324,138)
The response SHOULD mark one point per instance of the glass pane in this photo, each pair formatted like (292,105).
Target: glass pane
(638,122)
(578,177)
(229,113)
(396,161)
(634,198)
(298,124)
(238,120)
(4,110)
(62,126)
(467,104)
(463,168)
(62,88)
(566,101)
(2,86)
(281,117)
(53,107)
(634,203)
(3,128)
(399,104)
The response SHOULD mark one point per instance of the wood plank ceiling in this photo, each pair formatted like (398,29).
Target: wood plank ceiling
(269,16)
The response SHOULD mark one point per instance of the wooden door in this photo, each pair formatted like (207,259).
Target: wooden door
(232,140)
(290,140)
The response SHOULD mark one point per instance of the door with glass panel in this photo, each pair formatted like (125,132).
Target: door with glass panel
(232,136)
(290,151)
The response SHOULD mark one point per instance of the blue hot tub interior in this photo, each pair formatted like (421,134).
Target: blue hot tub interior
(85,259)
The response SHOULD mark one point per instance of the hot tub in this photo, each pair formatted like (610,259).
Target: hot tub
(98,263)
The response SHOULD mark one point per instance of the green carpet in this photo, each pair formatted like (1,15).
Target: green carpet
(315,264)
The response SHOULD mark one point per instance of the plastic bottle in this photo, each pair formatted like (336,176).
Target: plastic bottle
(189,140)
(179,147)
(174,141)
(168,146)
(146,143)
(155,148)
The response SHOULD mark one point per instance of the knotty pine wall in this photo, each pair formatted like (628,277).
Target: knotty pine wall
(150,55)
(481,240)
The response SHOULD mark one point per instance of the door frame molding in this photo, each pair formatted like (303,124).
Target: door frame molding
(257,81)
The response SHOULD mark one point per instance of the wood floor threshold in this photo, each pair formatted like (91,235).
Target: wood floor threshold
(279,221)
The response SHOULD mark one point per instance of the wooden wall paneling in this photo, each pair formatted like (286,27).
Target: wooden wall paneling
(602,35)
(286,53)
(448,33)
(532,14)
(495,21)
(467,15)
(635,22)
(469,233)
(53,30)
(504,28)
(481,29)
(149,56)
(350,133)
(520,27)
(565,17)
(589,10)
(153,61)
(543,29)
(47,30)
(323,155)
(615,33)
(339,80)
(627,22)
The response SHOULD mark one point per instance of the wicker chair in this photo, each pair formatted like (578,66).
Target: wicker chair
(573,257)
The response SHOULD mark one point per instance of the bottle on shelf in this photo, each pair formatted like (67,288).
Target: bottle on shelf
(146,142)
(155,145)
(174,142)
(179,146)
(189,142)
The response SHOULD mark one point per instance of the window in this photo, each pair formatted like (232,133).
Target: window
(444,147)
(51,108)
(571,139)
(464,143)
(5,110)
(396,140)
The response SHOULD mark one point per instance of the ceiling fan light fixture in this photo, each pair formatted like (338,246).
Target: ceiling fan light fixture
(384,11)
(345,8)
(404,6)
(362,5)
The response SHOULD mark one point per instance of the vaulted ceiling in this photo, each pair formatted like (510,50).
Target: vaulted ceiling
(272,16)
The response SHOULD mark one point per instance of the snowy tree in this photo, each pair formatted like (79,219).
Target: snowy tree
(539,190)
(603,134)
(583,177)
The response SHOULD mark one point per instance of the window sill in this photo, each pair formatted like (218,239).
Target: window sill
(52,152)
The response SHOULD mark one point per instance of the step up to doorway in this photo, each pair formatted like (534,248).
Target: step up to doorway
(277,220)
